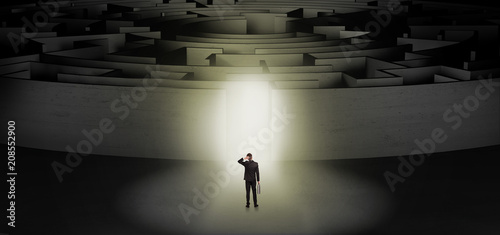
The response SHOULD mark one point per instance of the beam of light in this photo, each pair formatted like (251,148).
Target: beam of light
(305,197)
(248,113)
(298,196)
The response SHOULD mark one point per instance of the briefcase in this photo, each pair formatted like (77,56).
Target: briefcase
(258,188)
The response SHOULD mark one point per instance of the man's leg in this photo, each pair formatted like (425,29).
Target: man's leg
(254,191)
(247,186)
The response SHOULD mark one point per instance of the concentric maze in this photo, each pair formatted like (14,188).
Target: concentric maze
(322,79)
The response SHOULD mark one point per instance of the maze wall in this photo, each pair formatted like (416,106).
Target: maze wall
(157,78)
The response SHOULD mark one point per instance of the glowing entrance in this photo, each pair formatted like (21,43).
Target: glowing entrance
(248,116)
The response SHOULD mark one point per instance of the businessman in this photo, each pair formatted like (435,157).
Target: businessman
(251,174)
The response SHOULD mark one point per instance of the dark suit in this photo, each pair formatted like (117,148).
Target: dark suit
(251,173)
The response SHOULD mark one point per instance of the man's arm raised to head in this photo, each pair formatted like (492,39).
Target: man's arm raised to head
(241,161)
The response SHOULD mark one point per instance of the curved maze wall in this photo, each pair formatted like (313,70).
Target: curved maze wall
(154,79)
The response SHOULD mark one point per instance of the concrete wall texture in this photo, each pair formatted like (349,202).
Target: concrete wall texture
(191,123)
(285,80)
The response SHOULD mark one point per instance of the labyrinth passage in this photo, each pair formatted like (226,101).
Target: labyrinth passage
(331,79)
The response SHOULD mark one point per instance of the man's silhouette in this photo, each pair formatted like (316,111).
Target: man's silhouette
(251,171)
